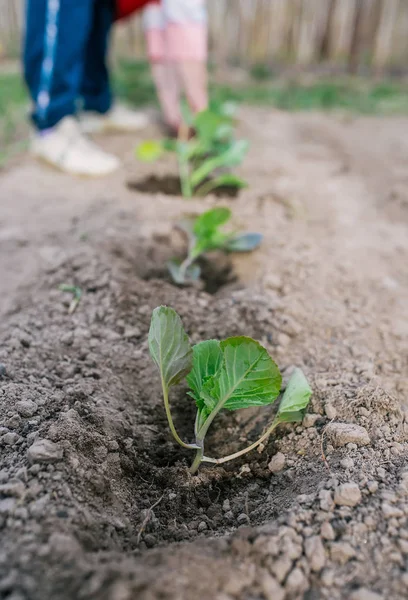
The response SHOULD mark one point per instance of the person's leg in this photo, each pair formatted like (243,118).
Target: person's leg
(164,73)
(56,35)
(186,42)
(98,112)
(95,89)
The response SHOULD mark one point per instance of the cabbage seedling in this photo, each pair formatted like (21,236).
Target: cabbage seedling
(205,234)
(231,374)
(205,159)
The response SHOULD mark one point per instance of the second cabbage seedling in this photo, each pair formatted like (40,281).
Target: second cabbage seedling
(205,234)
(231,374)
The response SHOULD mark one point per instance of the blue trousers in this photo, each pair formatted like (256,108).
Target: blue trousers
(65,49)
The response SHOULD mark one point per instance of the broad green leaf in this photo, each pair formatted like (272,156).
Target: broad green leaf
(248,376)
(206,231)
(210,220)
(207,359)
(149,150)
(211,126)
(295,398)
(230,158)
(192,273)
(169,345)
(244,243)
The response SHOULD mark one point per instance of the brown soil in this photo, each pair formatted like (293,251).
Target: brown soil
(170,185)
(117,516)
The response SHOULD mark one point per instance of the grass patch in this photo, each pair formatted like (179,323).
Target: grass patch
(13,116)
(355,95)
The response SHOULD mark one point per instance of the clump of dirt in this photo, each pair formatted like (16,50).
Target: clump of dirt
(95,497)
(170,186)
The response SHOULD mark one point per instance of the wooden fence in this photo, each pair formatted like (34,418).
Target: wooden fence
(345,33)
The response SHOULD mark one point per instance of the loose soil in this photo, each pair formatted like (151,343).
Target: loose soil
(170,185)
(109,511)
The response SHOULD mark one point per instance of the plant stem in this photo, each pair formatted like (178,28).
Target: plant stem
(184,266)
(197,460)
(220,461)
(171,423)
(206,188)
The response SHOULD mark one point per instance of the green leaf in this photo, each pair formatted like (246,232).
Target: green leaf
(244,243)
(209,221)
(211,126)
(149,150)
(207,359)
(295,398)
(230,158)
(248,376)
(192,273)
(169,345)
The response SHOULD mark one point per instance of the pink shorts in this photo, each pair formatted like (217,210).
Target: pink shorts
(176,30)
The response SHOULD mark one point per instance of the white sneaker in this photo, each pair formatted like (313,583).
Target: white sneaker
(68,149)
(119,118)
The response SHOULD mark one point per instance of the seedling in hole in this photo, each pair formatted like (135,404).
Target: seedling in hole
(77,294)
(205,159)
(204,234)
(232,374)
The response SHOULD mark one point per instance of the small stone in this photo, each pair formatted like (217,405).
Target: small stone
(327,531)
(389,511)
(365,594)
(7,506)
(242,519)
(10,439)
(372,486)
(44,451)
(202,526)
(271,588)
(296,581)
(281,567)
(347,494)
(342,552)
(341,434)
(34,469)
(3,370)
(347,463)
(132,332)
(403,544)
(330,411)
(277,462)
(310,419)
(226,505)
(326,500)
(315,553)
(26,408)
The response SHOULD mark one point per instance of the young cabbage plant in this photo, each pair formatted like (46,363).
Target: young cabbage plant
(231,374)
(204,235)
(204,161)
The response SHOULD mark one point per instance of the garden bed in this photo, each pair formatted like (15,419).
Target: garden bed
(105,507)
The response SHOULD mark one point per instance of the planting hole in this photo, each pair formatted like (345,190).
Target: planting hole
(170,186)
